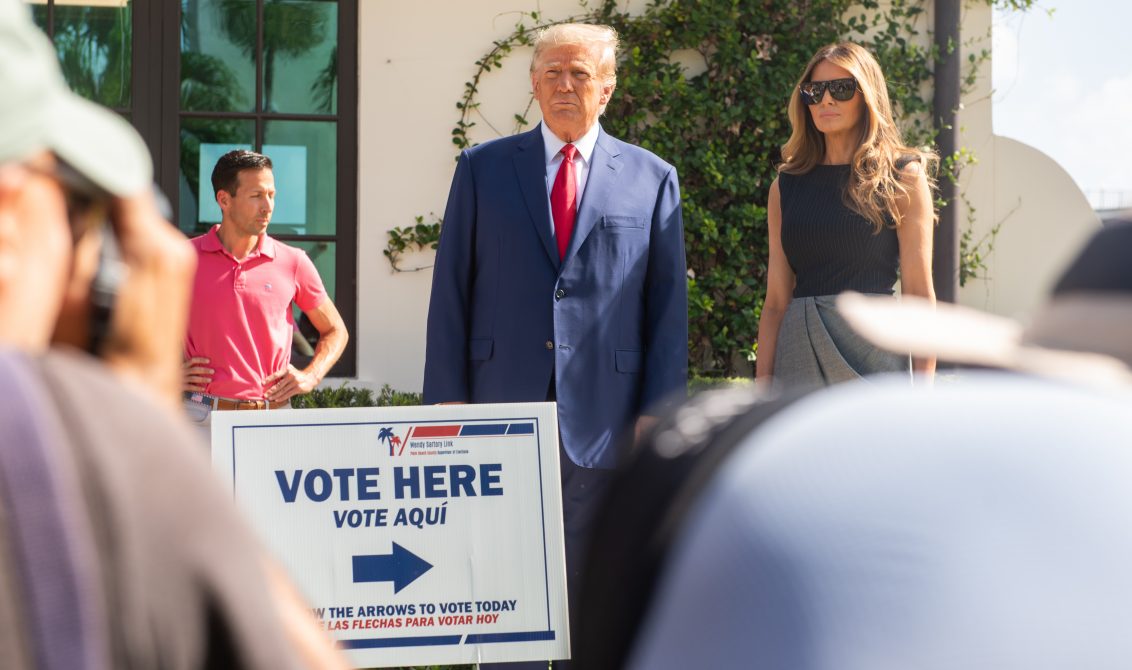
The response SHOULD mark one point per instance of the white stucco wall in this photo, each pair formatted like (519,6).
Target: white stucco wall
(1043,217)
(1045,220)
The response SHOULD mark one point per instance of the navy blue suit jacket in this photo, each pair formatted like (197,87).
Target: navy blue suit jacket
(609,322)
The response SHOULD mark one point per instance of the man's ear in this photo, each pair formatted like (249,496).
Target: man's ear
(607,92)
(223,199)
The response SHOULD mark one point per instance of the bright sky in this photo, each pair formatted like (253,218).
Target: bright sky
(1063,84)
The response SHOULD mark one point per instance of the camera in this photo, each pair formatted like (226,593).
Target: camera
(109,276)
(104,288)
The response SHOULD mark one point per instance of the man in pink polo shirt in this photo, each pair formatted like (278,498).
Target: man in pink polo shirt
(238,347)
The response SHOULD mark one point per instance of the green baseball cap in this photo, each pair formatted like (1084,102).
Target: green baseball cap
(38,111)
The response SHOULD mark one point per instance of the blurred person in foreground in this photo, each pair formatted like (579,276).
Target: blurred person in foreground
(117,547)
(985,523)
(851,210)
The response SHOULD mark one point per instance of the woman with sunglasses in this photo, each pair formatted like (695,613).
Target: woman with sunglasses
(851,210)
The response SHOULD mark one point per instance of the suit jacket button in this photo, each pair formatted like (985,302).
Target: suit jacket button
(549,344)
(560,294)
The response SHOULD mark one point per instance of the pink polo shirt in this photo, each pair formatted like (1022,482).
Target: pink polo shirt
(240,318)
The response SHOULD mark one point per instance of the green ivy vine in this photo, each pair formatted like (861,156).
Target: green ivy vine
(722,128)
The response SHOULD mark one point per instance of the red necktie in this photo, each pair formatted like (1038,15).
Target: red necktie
(563,200)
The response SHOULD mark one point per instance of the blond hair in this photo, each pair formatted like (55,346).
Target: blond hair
(875,186)
(583,34)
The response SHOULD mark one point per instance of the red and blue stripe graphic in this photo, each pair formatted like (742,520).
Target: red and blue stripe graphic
(467,430)
(473,430)
(433,640)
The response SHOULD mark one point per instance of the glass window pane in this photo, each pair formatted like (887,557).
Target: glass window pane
(202,142)
(300,56)
(323,255)
(305,156)
(218,55)
(95,46)
(39,13)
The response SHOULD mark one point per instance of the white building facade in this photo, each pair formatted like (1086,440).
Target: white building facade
(356,100)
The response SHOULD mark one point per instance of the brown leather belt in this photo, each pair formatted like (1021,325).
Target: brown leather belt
(224,404)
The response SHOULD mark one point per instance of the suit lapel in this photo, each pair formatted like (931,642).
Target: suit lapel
(530,168)
(605,168)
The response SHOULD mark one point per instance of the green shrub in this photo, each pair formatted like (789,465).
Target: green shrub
(390,398)
(697,383)
(351,396)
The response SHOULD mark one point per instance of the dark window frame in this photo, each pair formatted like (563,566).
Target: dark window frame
(157,30)
(155,112)
(129,110)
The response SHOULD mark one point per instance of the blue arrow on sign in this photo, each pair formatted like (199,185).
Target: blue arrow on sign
(402,567)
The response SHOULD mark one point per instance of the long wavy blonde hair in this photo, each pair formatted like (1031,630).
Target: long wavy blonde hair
(875,186)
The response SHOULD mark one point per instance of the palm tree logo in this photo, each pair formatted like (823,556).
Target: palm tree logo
(393,443)
(387,434)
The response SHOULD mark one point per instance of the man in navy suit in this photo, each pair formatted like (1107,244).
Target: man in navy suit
(560,274)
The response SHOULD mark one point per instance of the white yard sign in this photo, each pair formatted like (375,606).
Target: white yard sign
(420,535)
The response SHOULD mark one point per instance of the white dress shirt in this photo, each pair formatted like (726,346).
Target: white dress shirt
(585,146)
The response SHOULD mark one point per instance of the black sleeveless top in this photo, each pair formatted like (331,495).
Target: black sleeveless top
(830,247)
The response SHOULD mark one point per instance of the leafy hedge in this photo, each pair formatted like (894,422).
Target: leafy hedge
(721,129)
(352,396)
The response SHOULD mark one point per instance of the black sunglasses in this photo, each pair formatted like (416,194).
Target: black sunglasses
(841,89)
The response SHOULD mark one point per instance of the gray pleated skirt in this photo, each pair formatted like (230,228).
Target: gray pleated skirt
(816,347)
